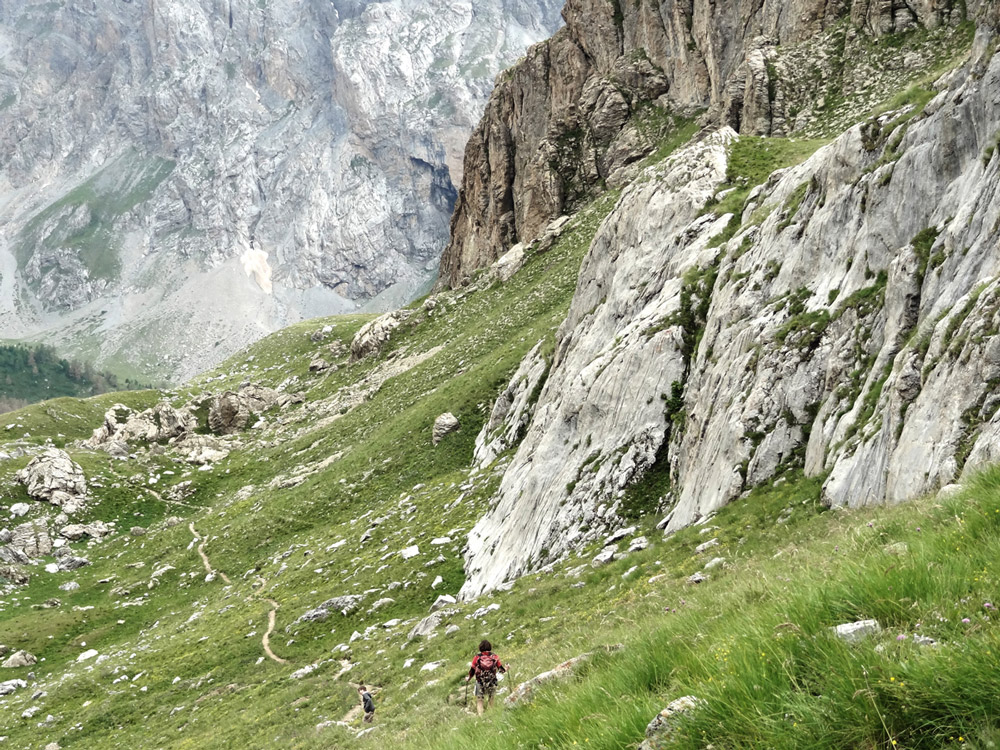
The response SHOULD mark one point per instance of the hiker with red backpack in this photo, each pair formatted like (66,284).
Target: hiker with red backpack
(485,667)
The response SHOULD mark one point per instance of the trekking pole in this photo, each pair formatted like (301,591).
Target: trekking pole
(466,693)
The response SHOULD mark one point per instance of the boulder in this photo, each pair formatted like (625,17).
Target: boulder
(855,632)
(664,724)
(13,556)
(70,562)
(425,627)
(605,556)
(19,659)
(19,509)
(444,425)
(76,531)
(524,693)
(442,601)
(374,334)
(158,424)
(319,365)
(54,477)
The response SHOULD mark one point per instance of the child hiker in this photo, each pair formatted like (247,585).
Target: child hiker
(485,666)
(367,703)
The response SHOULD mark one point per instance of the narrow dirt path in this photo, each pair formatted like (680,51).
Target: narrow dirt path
(266,640)
(204,557)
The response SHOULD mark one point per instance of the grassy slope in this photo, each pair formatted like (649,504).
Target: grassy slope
(753,641)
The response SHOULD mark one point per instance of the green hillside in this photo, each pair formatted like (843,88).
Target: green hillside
(32,373)
(181,660)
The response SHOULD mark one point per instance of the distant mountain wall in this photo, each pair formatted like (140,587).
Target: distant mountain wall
(178,177)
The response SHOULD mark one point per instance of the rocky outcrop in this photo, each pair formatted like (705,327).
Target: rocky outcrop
(54,477)
(231,411)
(584,106)
(599,422)
(122,426)
(848,327)
(374,334)
(211,172)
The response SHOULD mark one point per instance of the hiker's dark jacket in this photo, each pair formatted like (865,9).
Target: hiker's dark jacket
(366,699)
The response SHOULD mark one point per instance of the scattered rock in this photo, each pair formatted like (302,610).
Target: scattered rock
(663,725)
(425,627)
(8,687)
(90,653)
(443,425)
(308,669)
(69,586)
(137,531)
(714,563)
(923,640)
(443,601)
(855,632)
(19,509)
(431,666)
(438,580)
(697,578)
(619,535)
(409,552)
(605,556)
(714,542)
(638,544)
(54,477)
(70,562)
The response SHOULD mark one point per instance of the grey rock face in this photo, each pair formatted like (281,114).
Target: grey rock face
(600,406)
(512,410)
(573,113)
(54,477)
(884,269)
(230,169)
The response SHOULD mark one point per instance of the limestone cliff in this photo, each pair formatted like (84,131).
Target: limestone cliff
(586,104)
(179,177)
(843,319)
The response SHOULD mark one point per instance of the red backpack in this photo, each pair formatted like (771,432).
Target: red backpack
(486,667)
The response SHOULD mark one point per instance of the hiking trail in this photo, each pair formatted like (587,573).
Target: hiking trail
(266,639)
(204,557)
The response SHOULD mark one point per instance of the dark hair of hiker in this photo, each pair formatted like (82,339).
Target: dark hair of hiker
(485,646)
(362,687)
